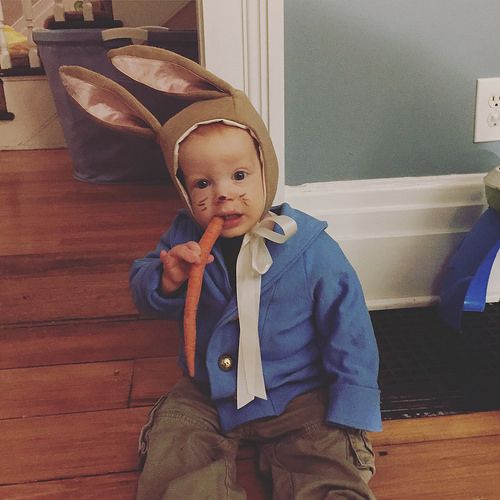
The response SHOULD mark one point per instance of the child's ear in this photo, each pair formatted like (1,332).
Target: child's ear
(168,72)
(108,102)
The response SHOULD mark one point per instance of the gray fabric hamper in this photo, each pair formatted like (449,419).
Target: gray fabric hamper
(101,155)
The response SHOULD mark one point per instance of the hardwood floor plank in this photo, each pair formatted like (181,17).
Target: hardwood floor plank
(60,263)
(416,430)
(116,487)
(62,446)
(29,236)
(53,230)
(47,211)
(86,341)
(153,378)
(410,472)
(107,487)
(55,298)
(52,160)
(62,389)
(466,468)
(247,476)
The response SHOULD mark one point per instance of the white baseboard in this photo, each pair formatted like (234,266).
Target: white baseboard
(398,233)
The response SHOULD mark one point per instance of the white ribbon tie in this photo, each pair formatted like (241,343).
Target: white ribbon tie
(254,260)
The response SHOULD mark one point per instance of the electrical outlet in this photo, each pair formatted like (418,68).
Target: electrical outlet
(494,101)
(487,119)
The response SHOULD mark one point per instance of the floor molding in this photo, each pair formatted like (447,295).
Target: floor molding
(398,232)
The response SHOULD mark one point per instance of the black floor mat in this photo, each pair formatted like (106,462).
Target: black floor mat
(427,369)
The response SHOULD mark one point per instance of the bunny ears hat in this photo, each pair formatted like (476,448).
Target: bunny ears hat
(210,100)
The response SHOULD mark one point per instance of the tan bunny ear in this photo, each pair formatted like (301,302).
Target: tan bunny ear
(168,72)
(108,102)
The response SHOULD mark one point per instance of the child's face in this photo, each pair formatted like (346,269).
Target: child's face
(223,177)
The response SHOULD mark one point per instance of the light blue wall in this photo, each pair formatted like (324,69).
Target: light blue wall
(386,88)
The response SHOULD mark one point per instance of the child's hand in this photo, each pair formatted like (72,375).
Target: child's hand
(176,265)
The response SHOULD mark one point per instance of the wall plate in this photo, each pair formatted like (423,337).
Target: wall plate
(487,119)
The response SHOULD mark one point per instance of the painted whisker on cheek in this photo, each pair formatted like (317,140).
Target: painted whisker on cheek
(201,206)
(244,199)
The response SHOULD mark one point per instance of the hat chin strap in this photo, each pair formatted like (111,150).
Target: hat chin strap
(254,260)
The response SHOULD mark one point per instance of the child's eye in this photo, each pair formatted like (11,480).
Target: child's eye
(240,175)
(202,184)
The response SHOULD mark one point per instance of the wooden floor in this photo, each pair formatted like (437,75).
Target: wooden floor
(79,368)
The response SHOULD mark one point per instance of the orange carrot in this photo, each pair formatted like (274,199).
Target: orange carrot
(195,279)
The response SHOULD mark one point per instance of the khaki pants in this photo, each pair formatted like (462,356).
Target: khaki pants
(187,457)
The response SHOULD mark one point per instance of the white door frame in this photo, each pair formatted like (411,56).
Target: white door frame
(242,41)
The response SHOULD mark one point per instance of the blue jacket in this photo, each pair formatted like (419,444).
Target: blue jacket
(314,326)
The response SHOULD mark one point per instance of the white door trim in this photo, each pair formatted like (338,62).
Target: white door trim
(242,41)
